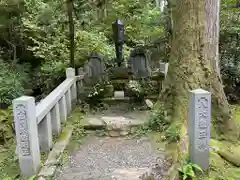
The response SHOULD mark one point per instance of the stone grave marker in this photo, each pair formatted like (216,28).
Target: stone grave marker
(94,68)
(163,68)
(199,127)
(97,65)
(139,64)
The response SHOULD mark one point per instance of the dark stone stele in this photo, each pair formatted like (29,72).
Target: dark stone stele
(118,37)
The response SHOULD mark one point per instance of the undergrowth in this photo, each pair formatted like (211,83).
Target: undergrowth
(78,130)
(160,121)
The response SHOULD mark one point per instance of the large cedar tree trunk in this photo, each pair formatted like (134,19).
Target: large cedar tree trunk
(194,61)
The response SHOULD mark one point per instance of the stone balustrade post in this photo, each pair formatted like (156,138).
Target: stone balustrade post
(55,118)
(24,110)
(45,133)
(70,73)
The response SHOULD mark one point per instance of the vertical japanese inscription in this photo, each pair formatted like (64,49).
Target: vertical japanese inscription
(21,118)
(202,124)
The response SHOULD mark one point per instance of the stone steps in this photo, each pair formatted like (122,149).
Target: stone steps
(115,174)
(113,126)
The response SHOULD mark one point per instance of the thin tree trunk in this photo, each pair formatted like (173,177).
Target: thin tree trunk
(71,31)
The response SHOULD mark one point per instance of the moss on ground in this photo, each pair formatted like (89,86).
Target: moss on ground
(220,168)
(77,120)
(223,159)
(9,164)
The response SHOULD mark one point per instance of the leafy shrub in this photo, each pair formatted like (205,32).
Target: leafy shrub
(172,133)
(6,120)
(87,42)
(49,76)
(187,171)
(141,88)
(97,93)
(231,77)
(230,49)
(159,119)
(12,80)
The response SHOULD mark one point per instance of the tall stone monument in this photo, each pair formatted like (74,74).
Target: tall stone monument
(199,127)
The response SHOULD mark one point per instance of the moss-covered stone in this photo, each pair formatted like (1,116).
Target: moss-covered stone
(221,154)
(230,157)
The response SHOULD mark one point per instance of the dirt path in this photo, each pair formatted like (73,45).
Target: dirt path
(114,158)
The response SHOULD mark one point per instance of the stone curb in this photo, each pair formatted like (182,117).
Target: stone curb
(49,168)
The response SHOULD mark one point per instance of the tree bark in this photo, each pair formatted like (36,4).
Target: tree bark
(212,10)
(193,62)
(71,31)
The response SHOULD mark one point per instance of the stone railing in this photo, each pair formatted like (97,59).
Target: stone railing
(35,125)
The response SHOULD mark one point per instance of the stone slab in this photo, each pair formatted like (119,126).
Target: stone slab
(114,133)
(41,178)
(94,123)
(125,133)
(131,173)
(50,165)
(119,94)
(120,122)
(47,171)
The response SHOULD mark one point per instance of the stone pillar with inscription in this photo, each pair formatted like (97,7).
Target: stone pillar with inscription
(199,127)
(27,135)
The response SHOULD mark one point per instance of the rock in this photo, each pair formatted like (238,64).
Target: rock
(94,123)
(120,123)
(149,103)
(114,133)
(41,178)
(134,130)
(47,171)
(119,94)
(131,173)
(124,133)
(230,157)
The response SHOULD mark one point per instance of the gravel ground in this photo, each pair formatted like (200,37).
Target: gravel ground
(118,158)
(102,158)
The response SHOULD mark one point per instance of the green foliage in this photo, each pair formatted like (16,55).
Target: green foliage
(6,131)
(9,168)
(172,133)
(92,42)
(158,121)
(135,88)
(12,80)
(97,93)
(187,171)
(141,18)
(49,76)
(76,120)
(141,88)
(31,178)
(230,49)
(39,33)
